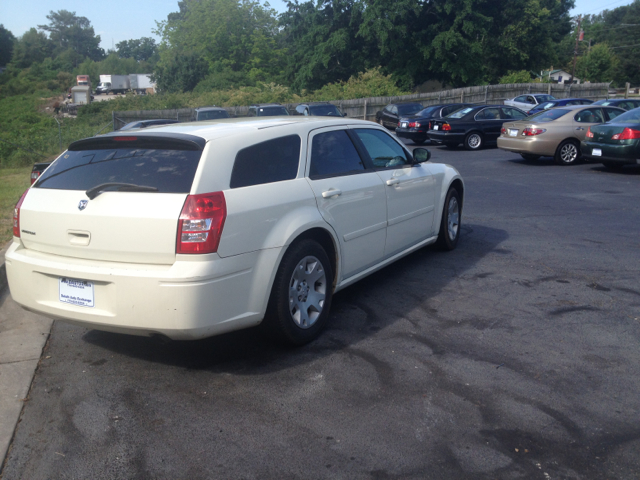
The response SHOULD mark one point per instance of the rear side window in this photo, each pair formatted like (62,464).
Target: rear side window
(267,162)
(168,170)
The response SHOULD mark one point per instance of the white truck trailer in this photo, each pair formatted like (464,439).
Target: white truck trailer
(113,84)
(141,82)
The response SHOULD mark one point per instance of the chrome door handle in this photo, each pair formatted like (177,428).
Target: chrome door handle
(580,128)
(331,193)
(393,181)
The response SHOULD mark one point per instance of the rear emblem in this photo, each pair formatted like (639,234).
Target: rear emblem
(83,204)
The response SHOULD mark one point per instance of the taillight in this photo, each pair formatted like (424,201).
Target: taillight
(627,134)
(125,139)
(503,131)
(589,133)
(34,177)
(201,223)
(430,126)
(446,127)
(16,215)
(414,124)
(531,132)
(398,123)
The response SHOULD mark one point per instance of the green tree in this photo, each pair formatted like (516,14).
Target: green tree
(6,45)
(30,48)
(209,37)
(523,76)
(141,49)
(599,65)
(67,31)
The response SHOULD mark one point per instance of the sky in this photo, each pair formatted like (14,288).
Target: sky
(118,20)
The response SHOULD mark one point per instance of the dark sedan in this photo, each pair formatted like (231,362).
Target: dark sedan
(615,143)
(563,102)
(473,126)
(389,115)
(624,103)
(415,127)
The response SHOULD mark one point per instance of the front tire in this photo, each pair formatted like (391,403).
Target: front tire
(473,141)
(450,223)
(568,153)
(301,296)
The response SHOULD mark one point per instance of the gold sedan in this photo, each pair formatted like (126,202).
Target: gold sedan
(556,132)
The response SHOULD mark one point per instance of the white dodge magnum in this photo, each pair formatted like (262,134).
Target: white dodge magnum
(192,230)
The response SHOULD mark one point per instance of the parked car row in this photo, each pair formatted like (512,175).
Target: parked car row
(567,129)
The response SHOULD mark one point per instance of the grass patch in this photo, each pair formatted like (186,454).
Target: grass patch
(13,183)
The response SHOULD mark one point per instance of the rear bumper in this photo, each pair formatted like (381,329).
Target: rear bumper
(528,145)
(623,154)
(411,133)
(193,298)
(446,137)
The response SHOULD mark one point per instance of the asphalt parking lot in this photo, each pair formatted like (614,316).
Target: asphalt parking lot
(513,357)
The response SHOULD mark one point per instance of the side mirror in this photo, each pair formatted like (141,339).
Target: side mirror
(344,114)
(421,155)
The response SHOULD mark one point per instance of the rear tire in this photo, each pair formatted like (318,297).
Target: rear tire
(473,141)
(568,153)
(450,222)
(530,157)
(301,295)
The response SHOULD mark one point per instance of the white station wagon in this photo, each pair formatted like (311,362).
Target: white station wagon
(193,230)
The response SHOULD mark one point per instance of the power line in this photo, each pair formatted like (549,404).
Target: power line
(626,46)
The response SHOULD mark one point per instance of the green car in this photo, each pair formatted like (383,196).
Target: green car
(615,143)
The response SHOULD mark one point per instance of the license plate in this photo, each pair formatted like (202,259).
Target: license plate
(513,132)
(596,152)
(76,292)
(435,127)
(404,124)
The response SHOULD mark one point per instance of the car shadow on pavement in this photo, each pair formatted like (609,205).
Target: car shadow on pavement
(358,312)
(542,161)
(626,170)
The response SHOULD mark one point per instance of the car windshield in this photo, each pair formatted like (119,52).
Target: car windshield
(212,114)
(325,110)
(546,105)
(632,116)
(602,102)
(271,111)
(545,98)
(460,113)
(409,109)
(548,115)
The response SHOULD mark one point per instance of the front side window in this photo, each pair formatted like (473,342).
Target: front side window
(612,112)
(590,115)
(267,162)
(384,151)
(394,110)
(332,154)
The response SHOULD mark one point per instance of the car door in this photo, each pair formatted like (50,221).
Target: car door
(489,122)
(521,102)
(410,190)
(585,119)
(350,196)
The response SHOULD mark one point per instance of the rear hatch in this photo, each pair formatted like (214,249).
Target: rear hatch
(133,217)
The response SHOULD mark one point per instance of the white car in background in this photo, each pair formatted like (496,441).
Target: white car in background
(196,229)
(529,101)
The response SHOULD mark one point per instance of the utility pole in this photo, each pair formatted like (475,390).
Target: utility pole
(575,52)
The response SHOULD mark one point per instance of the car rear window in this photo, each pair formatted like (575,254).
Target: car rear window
(267,162)
(632,116)
(460,113)
(212,114)
(409,109)
(325,110)
(272,111)
(548,115)
(169,170)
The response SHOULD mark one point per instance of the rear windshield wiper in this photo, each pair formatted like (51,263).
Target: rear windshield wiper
(122,187)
